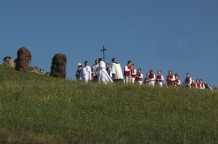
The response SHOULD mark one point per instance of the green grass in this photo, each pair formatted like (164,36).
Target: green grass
(41,109)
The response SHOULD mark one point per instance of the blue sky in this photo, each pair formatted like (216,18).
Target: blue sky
(177,35)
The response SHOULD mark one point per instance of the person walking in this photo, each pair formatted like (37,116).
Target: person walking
(103,76)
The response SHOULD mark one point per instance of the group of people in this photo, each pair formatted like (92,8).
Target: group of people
(96,72)
(104,73)
(173,80)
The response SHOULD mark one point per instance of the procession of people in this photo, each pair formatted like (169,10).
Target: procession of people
(104,73)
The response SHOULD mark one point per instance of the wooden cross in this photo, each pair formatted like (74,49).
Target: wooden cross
(103,53)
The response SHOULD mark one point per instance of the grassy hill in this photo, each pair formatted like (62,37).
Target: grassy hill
(42,109)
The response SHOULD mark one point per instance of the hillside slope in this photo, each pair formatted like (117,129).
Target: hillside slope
(41,109)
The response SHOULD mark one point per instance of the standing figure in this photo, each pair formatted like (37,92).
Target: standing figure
(103,76)
(188,80)
(116,70)
(151,77)
(133,74)
(198,83)
(177,81)
(159,79)
(208,87)
(86,73)
(194,84)
(202,85)
(108,69)
(94,70)
(146,80)
(78,71)
(139,76)
(170,78)
(127,72)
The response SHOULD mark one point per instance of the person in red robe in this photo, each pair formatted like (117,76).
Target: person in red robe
(194,84)
(139,76)
(152,78)
(177,80)
(170,78)
(188,80)
(159,79)
(127,72)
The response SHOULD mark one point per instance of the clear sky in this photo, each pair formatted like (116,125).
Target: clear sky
(177,35)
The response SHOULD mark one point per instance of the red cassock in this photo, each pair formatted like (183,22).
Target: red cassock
(159,78)
(132,73)
(170,77)
(194,85)
(177,81)
(187,80)
(127,73)
(151,76)
(138,76)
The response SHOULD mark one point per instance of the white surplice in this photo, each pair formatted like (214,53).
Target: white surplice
(86,74)
(117,71)
(103,76)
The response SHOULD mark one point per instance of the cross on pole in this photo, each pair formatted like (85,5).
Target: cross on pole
(103,53)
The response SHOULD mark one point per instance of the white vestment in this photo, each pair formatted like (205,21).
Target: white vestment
(117,71)
(103,76)
(86,74)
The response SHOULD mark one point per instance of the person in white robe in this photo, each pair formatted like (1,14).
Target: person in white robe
(86,73)
(116,70)
(103,76)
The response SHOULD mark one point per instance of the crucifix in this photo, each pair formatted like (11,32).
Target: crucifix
(103,53)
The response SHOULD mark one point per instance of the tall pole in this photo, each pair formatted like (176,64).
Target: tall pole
(103,53)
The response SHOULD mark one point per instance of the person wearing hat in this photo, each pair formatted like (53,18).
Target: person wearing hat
(78,71)
(116,70)
(151,77)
